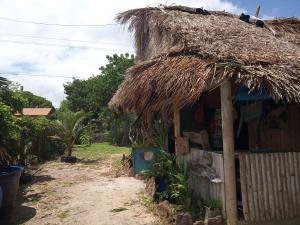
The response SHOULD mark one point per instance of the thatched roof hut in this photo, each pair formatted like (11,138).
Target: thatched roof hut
(182,52)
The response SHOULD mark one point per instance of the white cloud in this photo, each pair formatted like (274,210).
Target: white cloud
(267,17)
(33,59)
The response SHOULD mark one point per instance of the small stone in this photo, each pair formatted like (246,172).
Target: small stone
(184,219)
(164,209)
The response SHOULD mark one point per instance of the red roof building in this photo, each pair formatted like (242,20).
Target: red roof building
(35,112)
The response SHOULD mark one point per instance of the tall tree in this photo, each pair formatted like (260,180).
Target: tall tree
(34,101)
(93,94)
(17,132)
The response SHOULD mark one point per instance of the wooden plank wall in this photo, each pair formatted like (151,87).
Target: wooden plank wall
(203,186)
(270,184)
(286,138)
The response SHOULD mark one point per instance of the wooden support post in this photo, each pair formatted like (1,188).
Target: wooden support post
(176,122)
(228,151)
(149,119)
(149,133)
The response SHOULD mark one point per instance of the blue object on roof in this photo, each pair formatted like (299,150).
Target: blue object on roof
(143,157)
(260,23)
(244,95)
(1,196)
(245,18)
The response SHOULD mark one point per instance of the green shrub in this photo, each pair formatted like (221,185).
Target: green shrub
(178,188)
(50,149)
(107,136)
(213,204)
(163,166)
(85,138)
(176,174)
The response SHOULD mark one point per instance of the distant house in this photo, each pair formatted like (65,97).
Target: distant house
(33,112)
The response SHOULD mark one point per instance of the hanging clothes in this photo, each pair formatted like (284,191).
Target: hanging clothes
(248,112)
(199,113)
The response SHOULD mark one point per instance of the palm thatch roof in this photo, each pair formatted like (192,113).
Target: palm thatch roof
(182,53)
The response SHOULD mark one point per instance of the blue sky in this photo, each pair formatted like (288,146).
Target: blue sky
(274,8)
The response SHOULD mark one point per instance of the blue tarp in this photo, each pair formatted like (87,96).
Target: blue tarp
(244,95)
(139,161)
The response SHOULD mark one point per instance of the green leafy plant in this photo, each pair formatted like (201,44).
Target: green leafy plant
(178,188)
(176,174)
(213,204)
(162,166)
(68,128)
(158,132)
(85,138)
(20,136)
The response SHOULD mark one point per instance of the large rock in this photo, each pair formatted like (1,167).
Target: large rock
(184,219)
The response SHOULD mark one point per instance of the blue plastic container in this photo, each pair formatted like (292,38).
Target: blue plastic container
(142,158)
(9,185)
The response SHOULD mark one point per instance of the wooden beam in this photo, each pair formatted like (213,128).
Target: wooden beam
(149,118)
(176,122)
(228,151)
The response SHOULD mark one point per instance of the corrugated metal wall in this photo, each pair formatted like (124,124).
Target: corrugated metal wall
(270,185)
(202,185)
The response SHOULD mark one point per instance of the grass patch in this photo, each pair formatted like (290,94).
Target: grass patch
(98,151)
(62,215)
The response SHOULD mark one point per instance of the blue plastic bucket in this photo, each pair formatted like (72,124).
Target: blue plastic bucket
(141,161)
(9,183)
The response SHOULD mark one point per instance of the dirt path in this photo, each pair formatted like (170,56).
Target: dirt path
(80,194)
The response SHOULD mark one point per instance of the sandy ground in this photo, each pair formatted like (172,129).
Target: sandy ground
(87,194)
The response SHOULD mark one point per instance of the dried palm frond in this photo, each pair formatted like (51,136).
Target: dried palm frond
(181,54)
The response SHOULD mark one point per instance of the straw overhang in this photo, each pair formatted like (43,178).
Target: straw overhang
(181,54)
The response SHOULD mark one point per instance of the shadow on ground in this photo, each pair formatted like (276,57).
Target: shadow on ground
(41,179)
(22,213)
(19,215)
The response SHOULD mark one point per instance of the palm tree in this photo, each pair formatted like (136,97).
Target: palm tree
(3,86)
(3,82)
(68,127)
